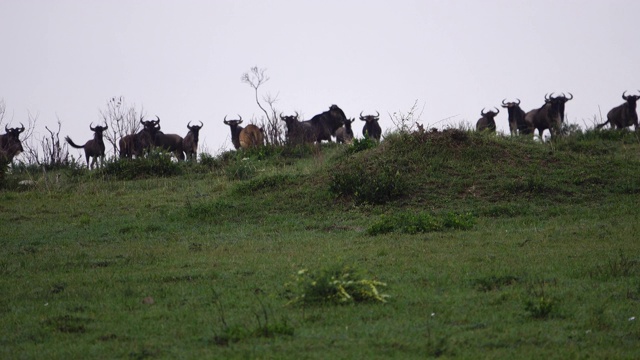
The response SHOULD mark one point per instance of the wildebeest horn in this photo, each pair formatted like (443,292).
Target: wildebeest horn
(201,124)
(281,116)
(482,113)
(361,117)
(225,120)
(377,114)
(188,125)
(503,101)
(518,101)
(91,127)
(21,129)
(497,110)
(297,116)
(240,117)
(570,94)
(6,128)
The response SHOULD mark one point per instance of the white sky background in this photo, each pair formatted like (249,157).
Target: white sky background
(183,60)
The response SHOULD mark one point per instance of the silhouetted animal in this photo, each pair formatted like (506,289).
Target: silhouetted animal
(548,116)
(327,123)
(345,134)
(190,142)
(299,132)
(371,128)
(624,115)
(487,121)
(517,125)
(246,138)
(93,148)
(10,144)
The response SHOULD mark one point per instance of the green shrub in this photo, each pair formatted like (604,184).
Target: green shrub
(338,284)
(368,183)
(414,223)
(155,163)
(363,144)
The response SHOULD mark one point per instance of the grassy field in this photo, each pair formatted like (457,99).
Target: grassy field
(478,246)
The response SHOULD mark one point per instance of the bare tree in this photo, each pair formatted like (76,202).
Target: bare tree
(122,119)
(55,153)
(3,107)
(405,122)
(30,149)
(273,129)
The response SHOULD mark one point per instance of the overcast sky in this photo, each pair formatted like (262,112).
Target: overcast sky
(183,60)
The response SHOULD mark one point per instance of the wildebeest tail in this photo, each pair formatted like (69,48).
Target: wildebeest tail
(603,124)
(68,139)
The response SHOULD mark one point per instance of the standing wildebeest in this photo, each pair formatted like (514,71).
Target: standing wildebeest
(169,142)
(624,115)
(93,148)
(136,144)
(516,118)
(549,116)
(190,142)
(487,121)
(298,132)
(326,123)
(247,137)
(10,144)
(345,133)
(371,128)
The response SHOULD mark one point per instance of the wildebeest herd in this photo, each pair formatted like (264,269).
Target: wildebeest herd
(324,126)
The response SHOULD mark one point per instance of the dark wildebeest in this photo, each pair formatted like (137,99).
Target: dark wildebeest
(345,134)
(136,144)
(93,148)
(244,137)
(549,116)
(517,125)
(190,142)
(624,115)
(169,142)
(487,121)
(299,132)
(10,144)
(371,128)
(327,123)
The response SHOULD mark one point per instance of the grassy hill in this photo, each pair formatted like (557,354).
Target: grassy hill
(431,244)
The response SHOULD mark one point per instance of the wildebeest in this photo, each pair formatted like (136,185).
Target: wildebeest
(327,123)
(190,142)
(345,134)
(517,125)
(624,115)
(371,128)
(548,116)
(10,144)
(136,144)
(248,137)
(298,132)
(93,148)
(487,121)
(169,142)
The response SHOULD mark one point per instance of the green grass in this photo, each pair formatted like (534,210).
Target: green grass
(488,245)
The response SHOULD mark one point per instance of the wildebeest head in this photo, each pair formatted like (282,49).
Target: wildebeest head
(487,121)
(345,133)
(235,127)
(10,143)
(289,119)
(559,101)
(631,99)
(371,127)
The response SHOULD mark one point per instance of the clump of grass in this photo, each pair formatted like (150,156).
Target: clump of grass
(363,144)
(540,305)
(622,266)
(338,284)
(155,163)
(367,182)
(413,223)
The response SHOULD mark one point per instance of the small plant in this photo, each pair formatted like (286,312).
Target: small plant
(244,169)
(340,284)
(367,183)
(540,305)
(363,144)
(620,267)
